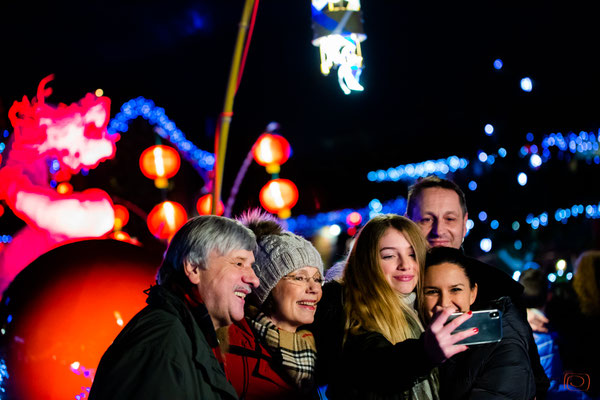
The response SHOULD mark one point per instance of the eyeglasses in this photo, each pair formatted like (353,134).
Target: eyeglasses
(304,279)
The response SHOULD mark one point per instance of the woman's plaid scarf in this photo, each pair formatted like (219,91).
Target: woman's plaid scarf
(297,351)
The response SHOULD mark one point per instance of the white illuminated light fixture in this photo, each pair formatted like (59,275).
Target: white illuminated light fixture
(338,31)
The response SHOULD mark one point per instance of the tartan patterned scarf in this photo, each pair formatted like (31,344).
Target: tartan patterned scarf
(296,351)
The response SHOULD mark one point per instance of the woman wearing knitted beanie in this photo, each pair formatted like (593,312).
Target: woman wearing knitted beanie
(265,355)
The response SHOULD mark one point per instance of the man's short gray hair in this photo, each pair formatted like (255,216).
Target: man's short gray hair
(196,240)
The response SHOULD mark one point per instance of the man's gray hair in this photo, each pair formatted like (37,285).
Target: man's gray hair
(196,240)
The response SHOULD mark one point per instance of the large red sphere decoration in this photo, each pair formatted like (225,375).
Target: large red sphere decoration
(60,314)
(278,196)
(160,163)
(204,205)
(271,151)
(165,219)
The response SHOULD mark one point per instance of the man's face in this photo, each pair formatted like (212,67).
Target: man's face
(438,213)
(224,284)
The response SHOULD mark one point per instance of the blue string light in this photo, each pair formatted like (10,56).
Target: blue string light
(4,376)
(584,145)
(307,226)
(203,161)
(6,238)
(408,172)
(591,211)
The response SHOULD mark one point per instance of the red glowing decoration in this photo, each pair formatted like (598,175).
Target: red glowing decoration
(121,217)
(76,137)
(66,308)
(124,237)
(62,175)
(204,205)
(76,134)
(165,219)
(271,151)
(160,163)
(278,196)
(354,218)
(64,188)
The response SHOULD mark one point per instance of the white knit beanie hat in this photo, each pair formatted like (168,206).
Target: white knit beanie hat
(280,254)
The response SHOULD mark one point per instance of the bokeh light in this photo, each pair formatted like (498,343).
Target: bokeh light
(526,84)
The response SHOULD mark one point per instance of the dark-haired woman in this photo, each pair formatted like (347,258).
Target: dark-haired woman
(500,370)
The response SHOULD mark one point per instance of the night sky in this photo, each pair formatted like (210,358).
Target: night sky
(430,88)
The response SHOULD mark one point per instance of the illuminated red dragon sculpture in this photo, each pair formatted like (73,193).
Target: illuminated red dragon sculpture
(75,136)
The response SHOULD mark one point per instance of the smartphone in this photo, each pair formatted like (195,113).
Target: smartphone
(489,323)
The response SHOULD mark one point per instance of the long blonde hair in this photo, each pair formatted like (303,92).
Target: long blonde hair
(586,282)
(370,302)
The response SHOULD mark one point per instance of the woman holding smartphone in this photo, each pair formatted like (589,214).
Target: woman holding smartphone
(386,352)
(499,370)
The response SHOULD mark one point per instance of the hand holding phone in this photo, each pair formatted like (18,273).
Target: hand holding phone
(489,323)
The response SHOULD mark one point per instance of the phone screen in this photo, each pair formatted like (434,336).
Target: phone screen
(489,323)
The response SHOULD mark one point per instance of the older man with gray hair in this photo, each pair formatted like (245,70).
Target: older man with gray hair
(166,350)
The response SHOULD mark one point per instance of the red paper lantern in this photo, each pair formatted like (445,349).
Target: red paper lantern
(160,163)
(121,216)
(278,196)
(271,151)
(204,205)
(165,219)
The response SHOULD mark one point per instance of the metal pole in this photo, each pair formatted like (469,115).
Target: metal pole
(222,131)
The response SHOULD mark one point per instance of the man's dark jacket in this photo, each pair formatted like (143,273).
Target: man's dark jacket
(163,353)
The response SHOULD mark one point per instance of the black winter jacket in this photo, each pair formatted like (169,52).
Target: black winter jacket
(492,371)
(494,284)
(163,353)
(373,368)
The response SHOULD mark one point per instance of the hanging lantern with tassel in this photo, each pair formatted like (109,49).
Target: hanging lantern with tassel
(278,196)
(165,219)
(160,163)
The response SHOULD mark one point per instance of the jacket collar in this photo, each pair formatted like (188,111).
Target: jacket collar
(200,329)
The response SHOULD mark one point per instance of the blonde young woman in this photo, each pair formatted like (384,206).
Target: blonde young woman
(386,352)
